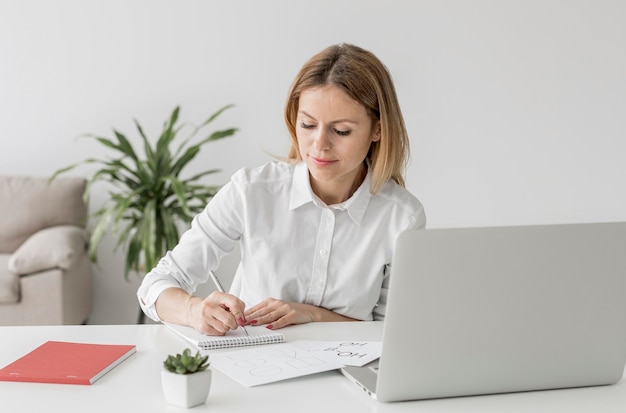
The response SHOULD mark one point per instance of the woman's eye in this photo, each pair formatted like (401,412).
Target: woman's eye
(306,126)
(342,132)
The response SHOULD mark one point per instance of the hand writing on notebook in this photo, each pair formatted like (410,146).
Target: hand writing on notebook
(214,315)
(221,312)
(218,313)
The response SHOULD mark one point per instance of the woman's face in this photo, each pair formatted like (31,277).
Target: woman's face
(334,135)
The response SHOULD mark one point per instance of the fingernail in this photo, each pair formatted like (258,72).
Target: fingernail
(253,321)
(242,322)
(270,326)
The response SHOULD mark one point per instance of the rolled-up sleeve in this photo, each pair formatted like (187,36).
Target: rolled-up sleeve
(155,282)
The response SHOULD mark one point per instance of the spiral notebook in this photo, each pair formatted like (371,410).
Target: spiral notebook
(258,335)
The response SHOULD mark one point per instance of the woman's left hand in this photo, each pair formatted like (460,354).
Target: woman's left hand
(279,313)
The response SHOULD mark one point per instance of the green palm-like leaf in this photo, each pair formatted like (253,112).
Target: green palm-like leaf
(148,198)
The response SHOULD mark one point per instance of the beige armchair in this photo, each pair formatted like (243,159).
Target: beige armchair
(45,272)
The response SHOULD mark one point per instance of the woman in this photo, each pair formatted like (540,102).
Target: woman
(316,230)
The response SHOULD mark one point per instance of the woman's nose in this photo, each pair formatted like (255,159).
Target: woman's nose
(322,140)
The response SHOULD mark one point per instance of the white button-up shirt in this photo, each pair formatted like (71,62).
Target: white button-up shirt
(293,246)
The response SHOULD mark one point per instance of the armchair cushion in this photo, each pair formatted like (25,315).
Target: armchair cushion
(9,283)
(30,204)
(54,247)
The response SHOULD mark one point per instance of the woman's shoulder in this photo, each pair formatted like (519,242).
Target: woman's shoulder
(270,172)
(401,197)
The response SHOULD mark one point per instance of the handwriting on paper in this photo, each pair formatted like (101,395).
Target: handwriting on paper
(349,353)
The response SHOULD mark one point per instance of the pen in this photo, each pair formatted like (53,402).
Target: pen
(217,283)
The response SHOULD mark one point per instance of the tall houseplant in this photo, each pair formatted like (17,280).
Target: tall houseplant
(149,197)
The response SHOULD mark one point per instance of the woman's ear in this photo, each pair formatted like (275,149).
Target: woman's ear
(376,132)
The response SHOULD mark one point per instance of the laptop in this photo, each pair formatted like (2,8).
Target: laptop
(475,311)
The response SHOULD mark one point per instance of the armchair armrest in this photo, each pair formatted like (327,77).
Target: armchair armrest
(54,247)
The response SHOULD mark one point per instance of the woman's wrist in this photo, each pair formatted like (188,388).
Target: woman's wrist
(320,314)
(192,311)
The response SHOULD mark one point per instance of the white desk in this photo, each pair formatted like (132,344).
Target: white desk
(134,386)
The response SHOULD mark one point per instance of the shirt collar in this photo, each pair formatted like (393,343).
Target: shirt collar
(301,193)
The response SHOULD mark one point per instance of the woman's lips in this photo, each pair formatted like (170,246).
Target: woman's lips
(322,161)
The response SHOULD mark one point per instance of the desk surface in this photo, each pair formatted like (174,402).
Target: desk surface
(134,386)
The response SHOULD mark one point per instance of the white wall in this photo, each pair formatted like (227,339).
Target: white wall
(516,109)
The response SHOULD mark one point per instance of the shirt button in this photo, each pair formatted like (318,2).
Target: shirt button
(324,252)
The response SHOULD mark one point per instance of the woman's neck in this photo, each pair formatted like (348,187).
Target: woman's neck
(339,192)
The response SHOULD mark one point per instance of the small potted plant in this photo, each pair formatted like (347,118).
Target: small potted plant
(186,379)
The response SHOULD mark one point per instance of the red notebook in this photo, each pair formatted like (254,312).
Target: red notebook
(64,362)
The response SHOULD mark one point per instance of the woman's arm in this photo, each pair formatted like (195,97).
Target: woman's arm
(279,313)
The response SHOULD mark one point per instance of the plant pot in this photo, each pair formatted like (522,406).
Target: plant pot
(186,390)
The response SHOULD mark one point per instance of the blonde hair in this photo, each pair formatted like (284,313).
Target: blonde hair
(366,80)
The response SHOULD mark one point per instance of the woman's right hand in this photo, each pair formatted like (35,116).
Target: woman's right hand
(216,314)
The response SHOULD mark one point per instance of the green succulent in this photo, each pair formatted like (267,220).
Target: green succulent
(186,363)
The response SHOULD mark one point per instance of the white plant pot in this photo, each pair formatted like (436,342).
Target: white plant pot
(186,390)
